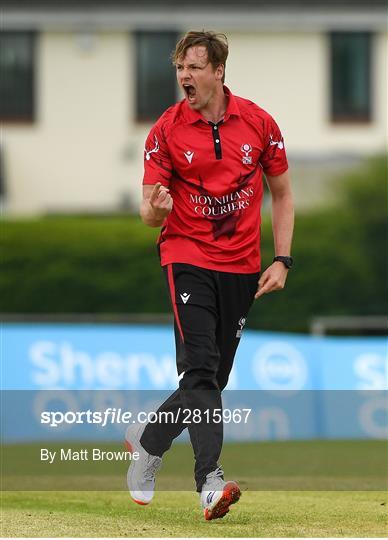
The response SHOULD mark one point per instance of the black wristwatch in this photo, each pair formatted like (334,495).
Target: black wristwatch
(287,261)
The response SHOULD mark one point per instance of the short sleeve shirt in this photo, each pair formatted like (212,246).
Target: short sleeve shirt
(214,174)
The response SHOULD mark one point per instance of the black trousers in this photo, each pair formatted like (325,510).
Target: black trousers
(210,310)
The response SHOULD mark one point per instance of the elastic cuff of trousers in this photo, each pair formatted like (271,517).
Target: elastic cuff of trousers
(200,484)
(150,450)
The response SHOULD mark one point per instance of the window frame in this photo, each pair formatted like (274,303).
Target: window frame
(149,118)
(344,117)
(31,118)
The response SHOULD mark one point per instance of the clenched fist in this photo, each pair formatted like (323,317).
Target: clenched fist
(161,201)
(156,204)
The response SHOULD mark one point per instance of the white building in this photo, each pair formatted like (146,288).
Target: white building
(81,83)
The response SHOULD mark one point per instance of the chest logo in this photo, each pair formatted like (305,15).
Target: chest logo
(189,155)
(246,149)
(154,149)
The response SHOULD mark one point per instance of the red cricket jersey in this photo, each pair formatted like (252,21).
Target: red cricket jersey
(214,174)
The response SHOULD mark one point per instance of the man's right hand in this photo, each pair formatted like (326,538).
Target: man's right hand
(161,201)
(156,206)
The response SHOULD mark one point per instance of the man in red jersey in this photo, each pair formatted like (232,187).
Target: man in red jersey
(204,161)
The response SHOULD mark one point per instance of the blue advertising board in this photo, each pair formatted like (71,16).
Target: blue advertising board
(309,387)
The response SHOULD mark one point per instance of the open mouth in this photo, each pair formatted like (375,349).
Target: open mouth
(190,92)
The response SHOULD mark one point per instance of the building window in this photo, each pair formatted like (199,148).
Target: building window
(156,82)
(17,76)
(350,76)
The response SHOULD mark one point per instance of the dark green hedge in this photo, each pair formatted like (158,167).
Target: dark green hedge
(110,265)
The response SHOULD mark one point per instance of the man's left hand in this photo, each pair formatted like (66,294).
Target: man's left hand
(272,279)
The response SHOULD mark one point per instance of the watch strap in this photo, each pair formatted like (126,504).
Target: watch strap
(287,261)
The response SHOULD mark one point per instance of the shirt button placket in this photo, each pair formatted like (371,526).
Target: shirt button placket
(217,142)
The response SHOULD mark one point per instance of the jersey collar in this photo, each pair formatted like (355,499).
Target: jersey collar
(232,109)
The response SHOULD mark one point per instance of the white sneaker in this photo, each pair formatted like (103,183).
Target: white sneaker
(217,495)
(142,471)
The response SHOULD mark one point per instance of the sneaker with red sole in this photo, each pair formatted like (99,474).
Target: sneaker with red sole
(217,495)
(141,472)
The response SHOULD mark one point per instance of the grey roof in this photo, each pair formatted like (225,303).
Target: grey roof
(81,4)
(178,15)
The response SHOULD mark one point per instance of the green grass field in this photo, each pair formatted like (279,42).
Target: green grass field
(306,485)
(258,514)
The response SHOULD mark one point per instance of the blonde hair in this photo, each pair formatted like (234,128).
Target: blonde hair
(216,46)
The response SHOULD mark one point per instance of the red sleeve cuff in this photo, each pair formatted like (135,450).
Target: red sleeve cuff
(276,171)
(151,181)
